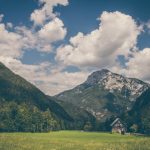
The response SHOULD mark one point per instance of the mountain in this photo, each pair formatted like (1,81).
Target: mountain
(138,118)
(93,105)
(17,96)
(104,94)
(82,119)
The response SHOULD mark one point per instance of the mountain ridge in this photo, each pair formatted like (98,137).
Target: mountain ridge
(105,94)
(91,105)
(17,95)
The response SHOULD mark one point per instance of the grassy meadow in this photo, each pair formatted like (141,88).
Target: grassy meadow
(72,140)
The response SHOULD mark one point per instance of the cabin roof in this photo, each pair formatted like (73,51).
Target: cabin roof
(117,119)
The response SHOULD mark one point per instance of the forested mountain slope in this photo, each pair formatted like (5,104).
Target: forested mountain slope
(17,97)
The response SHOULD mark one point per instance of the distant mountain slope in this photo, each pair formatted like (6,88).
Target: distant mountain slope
(14,88)
(139,115)
(104,94)
(80,116)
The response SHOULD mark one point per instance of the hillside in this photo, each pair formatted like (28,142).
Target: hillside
(138,118)
(104,95)
(17,96)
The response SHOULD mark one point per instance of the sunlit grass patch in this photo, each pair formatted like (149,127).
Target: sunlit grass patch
(72,140)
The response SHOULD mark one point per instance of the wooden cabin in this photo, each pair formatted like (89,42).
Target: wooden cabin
(118,126)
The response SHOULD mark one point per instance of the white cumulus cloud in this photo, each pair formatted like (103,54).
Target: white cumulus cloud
(139,65)
(45,13)
(117,35)
(10,43)
(53,31)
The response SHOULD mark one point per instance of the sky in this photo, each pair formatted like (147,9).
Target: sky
(56,44)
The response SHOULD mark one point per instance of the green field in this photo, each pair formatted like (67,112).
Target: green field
(72,140)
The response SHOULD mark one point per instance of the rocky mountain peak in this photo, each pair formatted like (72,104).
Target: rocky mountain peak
(97,76)
(105,93)
(115,82)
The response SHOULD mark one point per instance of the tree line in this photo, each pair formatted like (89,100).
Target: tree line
(26,118)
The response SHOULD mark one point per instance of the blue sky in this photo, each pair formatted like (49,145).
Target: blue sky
(56,44)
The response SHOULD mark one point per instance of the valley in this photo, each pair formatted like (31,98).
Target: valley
(90,106)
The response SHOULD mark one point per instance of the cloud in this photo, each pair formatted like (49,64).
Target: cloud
(49,78)
(139,65)
(15,40)
(61,81)
(9,25)
(41,15)
(43,39)
(53,31)
(117,35)
(10,43)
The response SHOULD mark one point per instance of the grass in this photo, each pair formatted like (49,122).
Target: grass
(72,140)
